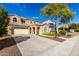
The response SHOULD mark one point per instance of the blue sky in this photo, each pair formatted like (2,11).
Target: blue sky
(32,10)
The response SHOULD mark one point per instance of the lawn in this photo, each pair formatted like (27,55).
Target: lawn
(50,34)
(64,37)
(53,38)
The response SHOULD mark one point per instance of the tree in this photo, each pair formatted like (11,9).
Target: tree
(73,26)
(4,21)
(57,11)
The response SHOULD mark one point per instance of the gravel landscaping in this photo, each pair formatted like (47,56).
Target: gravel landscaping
(8,47)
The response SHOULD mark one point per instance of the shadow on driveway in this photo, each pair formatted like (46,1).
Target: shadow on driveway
(10,41)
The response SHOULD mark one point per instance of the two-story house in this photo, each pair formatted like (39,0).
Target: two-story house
(20,25)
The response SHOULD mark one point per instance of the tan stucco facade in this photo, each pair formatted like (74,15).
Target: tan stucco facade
(32,26)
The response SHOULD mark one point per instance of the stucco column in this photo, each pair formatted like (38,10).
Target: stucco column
(40,30)
(10,30)
(31,30)
(35,30)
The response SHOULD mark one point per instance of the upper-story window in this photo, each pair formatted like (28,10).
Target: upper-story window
(34,22)
(14,19)
(31,22)
(22,21)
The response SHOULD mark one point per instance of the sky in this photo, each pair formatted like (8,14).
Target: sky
(33,10)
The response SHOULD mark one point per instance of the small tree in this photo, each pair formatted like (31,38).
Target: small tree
(73,26)
(4,21)
(57,11)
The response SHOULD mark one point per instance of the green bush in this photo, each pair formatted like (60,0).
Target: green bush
(62,32)
(68,35)
(77,30)
(4,21)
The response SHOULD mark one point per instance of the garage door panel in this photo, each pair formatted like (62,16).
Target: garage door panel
(21,31)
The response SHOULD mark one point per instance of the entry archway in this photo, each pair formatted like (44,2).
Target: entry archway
(33,30)
(30,30)
(38,28)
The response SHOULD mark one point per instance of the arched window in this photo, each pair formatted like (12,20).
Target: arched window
(14,19)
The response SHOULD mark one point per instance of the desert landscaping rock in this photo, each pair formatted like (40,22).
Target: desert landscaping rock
(8,47)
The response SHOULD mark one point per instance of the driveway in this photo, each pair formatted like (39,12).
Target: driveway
(32,45)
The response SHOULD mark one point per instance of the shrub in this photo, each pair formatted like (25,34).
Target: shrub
(77,30)
(4,21)
(72,26)
(68,35)
(62,32)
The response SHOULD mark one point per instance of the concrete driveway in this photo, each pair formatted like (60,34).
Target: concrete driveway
(35,45)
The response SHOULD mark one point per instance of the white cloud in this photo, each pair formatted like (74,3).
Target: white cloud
(75,12)
(35,17)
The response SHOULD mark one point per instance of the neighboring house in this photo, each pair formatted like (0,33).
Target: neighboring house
(50,23)
(20,25)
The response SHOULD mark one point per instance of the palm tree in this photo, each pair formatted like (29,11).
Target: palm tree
(57,11)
